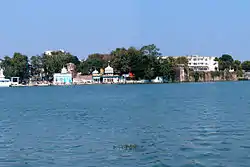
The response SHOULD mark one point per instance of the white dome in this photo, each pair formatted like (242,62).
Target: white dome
(64,70)
(95,72)
(109,70)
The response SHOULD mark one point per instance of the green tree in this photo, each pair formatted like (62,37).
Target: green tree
(246,65)
(55,62)
(17,66)
(226,62)
(94,61)
(167,69)
(136,62)
(121,60)
(150,54)
(150,50)
(7,65)
(36,66)
(196,76)
(237,65)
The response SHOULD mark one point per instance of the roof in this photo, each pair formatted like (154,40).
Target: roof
(95,72)
(109,69)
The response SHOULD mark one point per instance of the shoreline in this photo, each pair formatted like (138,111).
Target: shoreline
(128,83)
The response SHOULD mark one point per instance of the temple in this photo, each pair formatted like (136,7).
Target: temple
(96,77)
(63,78)
(107,76)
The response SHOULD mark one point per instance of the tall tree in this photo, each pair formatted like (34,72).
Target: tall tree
(237,65)
(150,50)
(246,65)
(121,60)
(150,55)
(36,66)
(226,62)
(17,66)
(55,62)
(94,61)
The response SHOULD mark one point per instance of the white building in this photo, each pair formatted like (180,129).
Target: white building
(3,81)
(200,63)
(96,77)
(109,76)
(63,78)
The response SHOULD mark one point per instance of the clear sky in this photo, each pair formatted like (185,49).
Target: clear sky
(177,27)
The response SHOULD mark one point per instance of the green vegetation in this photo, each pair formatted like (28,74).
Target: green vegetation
(246,65)
(144,63)
(16,66)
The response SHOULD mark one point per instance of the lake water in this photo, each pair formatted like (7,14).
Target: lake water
(173,125)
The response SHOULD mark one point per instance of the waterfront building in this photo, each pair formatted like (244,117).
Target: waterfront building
(82,79)
(63,78)
(180,73)
(127,77)
(200,63)
(71,67)
(15,81)
(109,76)
(247,75)
(96,77)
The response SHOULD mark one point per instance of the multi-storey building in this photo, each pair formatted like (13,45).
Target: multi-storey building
(200,63)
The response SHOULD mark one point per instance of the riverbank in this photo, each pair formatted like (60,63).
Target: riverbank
(123,83)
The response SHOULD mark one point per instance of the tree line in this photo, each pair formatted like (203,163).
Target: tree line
(145,63)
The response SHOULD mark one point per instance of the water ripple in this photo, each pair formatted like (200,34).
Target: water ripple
(174,125)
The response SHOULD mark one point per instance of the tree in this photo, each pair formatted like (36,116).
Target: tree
(196,76)
(246,65)
(226,62)
(150,54)
(55,62)
(150,50)
(237,65)
(165,69)
(121,60)
(136,62)
(150,68)
(94,61)
(17,66)
(184,61)
(36,66)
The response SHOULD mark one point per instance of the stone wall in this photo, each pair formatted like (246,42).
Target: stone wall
(212,76)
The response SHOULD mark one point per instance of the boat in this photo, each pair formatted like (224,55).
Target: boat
(3,81)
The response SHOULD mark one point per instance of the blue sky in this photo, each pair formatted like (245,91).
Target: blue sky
(177,27)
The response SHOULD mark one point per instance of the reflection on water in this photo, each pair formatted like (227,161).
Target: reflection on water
(177,125)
